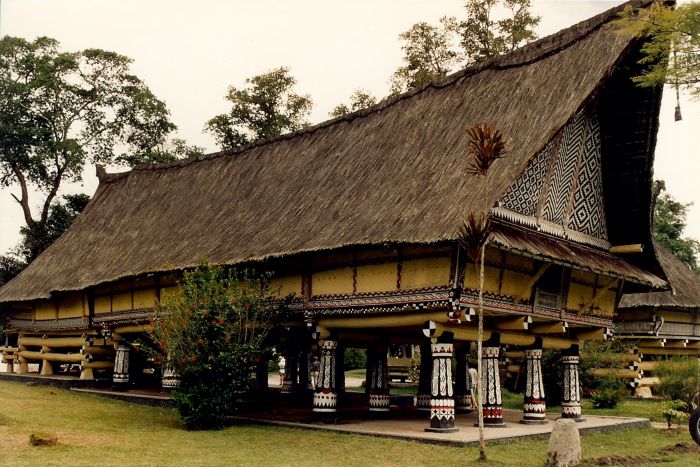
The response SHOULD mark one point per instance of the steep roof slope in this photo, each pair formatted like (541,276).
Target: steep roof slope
(392,173)
(685,286)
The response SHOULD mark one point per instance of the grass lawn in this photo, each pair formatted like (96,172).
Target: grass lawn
(92,431)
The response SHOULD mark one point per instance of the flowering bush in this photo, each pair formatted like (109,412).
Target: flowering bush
(213,333)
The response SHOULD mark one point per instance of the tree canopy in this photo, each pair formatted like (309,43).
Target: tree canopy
(359,100)
(265,108)
(669,224)
(671,54)
(60,110)
(490,28)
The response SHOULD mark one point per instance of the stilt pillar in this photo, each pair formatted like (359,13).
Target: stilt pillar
(571,387)
(120,376)
(325,395)
(170,379)
(442,403)
(424,377)
(491,387)
(291,373)
(304,372)
(534,406)
(463,384)
(378,381)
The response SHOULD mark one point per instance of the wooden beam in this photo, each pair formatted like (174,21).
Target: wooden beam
(623,249)
(103,365)
(664,351)
(651,343)
(676,344)
(616,372)
(55,342)
(52,357)
(556,327)
(383,321)
(598,334)
(519,323)
(132,329)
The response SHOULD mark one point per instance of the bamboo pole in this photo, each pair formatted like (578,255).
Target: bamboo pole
(479,344)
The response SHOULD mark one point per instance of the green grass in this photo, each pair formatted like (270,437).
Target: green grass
(98,432)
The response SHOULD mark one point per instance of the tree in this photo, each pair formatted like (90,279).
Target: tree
(669,224)
(428,55)
(60,110)
(431,52)
(176,148)
(359,100)
(213,332)
(671,53)
(266,108)
(482,37)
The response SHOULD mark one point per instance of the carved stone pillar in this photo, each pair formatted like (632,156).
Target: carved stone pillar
(491,387)
(325,395)
(424,378)
(170,379)
(442,403)
(571,387)
(120,376)
(378,381)
(534,406)
(304,373)
(463,383)
(291,373)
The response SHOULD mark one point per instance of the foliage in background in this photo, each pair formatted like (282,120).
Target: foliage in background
(265,108)
(489,28)
(359,100)
(679,379)
(355,358)
(213,333)
(551,376)
(608,393)
(671,54)
(601,354)
(429,54)
(669,223)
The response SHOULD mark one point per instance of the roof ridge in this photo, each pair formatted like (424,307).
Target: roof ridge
(549,45)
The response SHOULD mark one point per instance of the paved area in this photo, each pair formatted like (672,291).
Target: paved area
(412,426)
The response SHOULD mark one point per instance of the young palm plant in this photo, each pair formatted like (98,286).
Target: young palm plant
(486,145)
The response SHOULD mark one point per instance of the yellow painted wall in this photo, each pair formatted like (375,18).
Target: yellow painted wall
(71,307)
(103,304)
(285,285)
(606,303)
(144,298)
(331,282)
(121,302)
(425,272)
(578,294)
(45,310)
(514,283)
(582,276)
(522,262)
(377,277)
(491,278)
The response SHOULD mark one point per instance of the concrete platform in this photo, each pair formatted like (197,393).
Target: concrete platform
(412,427)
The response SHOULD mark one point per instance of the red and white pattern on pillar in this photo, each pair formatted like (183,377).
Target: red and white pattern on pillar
(571,400)
(325,396)
(534,406)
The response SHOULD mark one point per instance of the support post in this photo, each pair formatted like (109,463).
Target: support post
(534,406)
(571,387)
(424,377)
(491,383)
(442,404)
(325,396)
(291,374)
(261,374)
(378,381)
(120,376)
(170,379)
(463,383)
(304,373)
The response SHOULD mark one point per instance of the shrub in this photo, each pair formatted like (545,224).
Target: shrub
(679,379)
(355,358)
(551,376)
(607,394)
(213,332)
(674,411)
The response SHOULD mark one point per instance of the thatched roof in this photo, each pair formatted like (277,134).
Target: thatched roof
(391,174)
(685,286)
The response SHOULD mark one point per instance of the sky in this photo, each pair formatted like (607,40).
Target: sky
(189,52)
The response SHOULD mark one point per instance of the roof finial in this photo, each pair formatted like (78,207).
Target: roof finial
(100,171)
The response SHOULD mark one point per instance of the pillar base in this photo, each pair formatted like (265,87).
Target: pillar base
(533,422)
(576,419)
(441,430)
(492,425)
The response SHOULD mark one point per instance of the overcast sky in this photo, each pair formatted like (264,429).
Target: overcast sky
(189,52)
